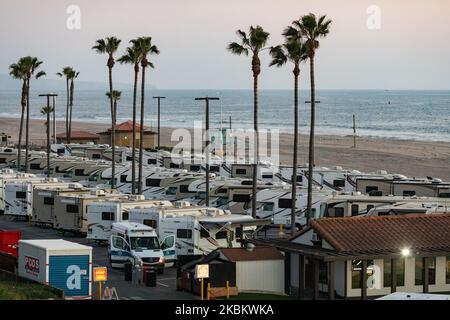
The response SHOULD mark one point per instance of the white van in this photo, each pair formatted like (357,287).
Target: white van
(135,242)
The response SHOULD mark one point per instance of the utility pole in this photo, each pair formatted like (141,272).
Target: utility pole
(206,99)
(48,95)
(159,119)
(354,132)
(54,120)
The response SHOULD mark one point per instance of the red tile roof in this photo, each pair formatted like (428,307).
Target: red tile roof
(257,254)
(127,126)
(79,135)
(419,232)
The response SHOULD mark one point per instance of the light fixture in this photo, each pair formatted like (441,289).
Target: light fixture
(406,252)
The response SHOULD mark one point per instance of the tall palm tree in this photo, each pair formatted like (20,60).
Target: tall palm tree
(133,56)
(66,73)
(31,66)
(312,29)
(145,48)
(73,75)
(254,42)
(46,111)
(114,96)
(295,51)
(109,46)
(17,71)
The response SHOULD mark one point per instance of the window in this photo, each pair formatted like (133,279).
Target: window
(195,167)
(35,166)
(336,212)
(129,158)
(119,243)
(49,200)
(241,197)
(151,161)
(174,165)
(447,271)
(223,235)
(356,272)
(79,172)
(267,176)
(221,190)
(247,183)
(369,189)
(441,195)
(299,178)
(399,270)
(151,223)
(152,182)
(431,271)
(96,156)
(409,193)
(72,208)
(184,188)
(171,191)
(125,215)
(21,195)
(204,232)
(339,183)
(241,171)
(355,209)
(284,203)
(60,150)
(108,216)
(2,160)
(268,206)
(214,168)
(369,207)
(184,233)
(123,178)
(144,243)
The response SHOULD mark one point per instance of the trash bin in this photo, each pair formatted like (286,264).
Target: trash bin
(128,270)
(150,277)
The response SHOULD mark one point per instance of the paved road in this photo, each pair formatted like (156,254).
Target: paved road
(166,283)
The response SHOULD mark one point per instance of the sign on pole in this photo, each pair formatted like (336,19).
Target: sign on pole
(202,271)
(100,274)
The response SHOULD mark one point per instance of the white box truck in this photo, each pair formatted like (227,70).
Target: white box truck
(59,263)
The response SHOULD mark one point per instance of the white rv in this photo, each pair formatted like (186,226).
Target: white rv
(102,214)
(135,243)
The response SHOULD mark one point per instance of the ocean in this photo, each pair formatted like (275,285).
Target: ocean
(413,115)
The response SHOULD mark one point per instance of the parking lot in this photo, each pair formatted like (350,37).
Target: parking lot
(166,283)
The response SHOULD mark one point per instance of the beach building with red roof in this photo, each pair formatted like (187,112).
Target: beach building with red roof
(124,135)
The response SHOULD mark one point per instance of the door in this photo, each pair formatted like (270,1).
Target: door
(168,247)
(70,274)
(119,251)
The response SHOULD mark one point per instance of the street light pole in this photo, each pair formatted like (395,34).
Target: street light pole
(54,120)
(48,95)
(206,99)
(159,119)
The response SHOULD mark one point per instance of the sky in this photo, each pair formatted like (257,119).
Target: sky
(409,50)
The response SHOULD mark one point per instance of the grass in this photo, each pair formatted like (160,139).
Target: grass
(12,290)
(258,296)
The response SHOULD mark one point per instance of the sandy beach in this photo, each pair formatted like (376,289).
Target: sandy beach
(411,158)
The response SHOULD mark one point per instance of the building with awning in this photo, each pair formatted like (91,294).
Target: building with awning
(124,135)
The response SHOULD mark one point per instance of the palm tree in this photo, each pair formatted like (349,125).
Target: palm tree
(17,71)
(114,96)
(67,72)
(109,46)
(254,42)
(312,29)
(133,56)
(46,111)
(295,51)
(144,47)
(73,75)
(31,65)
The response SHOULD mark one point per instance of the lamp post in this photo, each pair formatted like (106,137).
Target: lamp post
(159,119)
(48,95)
(206,99)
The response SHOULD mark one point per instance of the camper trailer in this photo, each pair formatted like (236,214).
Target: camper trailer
(201,234)
(44,202)
(8,176)
(102,214)
(19,195)
(136,243)
(71,209)
(402,208)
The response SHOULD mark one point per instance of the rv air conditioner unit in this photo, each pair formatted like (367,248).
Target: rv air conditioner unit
(211,212)
(315,237)
(182,204)
(137,197)
(52,180)
(98,192)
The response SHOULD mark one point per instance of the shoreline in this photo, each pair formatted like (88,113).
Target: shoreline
(409,157)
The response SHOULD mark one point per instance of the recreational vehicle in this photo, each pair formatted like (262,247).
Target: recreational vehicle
(71,209)
(402,208)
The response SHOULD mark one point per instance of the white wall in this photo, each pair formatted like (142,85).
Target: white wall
(267,275)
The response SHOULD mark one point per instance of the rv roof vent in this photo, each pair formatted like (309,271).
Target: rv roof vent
(52,180)
(74,186)
(8,171)
(437,180)
(250,247)
(337,168)
(211,211)
(182,204)
(137,197)
(98,192)
(356,193)
(382,172)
